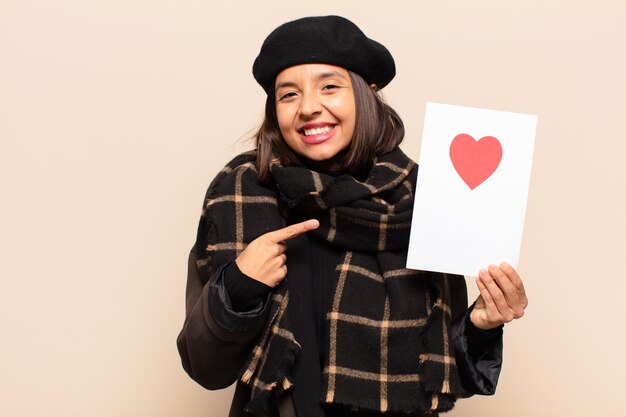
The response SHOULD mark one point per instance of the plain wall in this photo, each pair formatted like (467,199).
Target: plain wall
(115,116)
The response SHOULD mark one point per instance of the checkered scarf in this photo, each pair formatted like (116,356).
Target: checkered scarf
(389,327)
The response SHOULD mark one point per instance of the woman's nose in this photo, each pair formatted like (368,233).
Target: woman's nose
(310,105)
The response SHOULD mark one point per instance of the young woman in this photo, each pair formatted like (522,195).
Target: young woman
(297,287)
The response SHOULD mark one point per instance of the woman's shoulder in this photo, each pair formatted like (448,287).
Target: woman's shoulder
(245,161)
(237,177)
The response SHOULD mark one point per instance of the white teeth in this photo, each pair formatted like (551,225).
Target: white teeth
(318,131)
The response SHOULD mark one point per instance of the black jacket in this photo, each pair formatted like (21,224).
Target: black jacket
(216,340)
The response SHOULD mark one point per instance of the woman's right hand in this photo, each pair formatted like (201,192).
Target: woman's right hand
(264,258)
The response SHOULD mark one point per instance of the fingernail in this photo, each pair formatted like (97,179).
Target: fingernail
(482,272)
(492,267)
(504,265)
(315,223)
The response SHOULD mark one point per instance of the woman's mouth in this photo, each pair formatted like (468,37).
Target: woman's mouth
(317,135)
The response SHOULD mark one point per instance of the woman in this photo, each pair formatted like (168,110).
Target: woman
(297,288)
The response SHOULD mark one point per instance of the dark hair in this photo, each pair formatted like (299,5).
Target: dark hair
(377,130)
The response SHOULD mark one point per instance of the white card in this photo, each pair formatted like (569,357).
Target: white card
(472,187)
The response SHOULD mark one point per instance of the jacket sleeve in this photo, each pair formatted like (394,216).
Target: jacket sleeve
(478,353)
(211,354)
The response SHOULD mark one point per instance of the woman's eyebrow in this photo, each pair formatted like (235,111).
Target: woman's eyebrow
(330,74)
(285,84)
(321,76)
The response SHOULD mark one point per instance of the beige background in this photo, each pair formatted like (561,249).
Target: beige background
(115,115)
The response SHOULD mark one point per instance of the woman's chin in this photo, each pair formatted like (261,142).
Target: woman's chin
(332,164)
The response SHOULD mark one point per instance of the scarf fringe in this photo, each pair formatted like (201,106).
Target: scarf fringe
(280,383)
(443,395)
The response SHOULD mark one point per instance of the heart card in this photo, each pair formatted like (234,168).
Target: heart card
(472,187)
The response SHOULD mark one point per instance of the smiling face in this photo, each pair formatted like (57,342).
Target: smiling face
(316,114)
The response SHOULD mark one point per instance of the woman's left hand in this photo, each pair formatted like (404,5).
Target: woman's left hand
(502,297)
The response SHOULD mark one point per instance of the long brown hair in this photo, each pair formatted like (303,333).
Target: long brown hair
(377,130)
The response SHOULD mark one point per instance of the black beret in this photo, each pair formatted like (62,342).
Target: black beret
(332,40)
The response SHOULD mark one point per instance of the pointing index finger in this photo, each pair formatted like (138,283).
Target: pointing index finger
(293,230)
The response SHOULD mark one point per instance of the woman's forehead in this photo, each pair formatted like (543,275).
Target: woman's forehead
(311,72)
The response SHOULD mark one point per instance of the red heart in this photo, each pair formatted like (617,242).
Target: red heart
(475,161)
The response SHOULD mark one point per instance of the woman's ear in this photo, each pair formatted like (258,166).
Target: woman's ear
(374,87)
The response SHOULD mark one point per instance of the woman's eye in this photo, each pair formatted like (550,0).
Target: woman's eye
(330,87)
(287,96)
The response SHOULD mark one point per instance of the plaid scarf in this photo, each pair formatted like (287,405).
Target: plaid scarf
(389,327)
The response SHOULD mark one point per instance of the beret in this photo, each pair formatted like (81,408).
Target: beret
(332,40)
